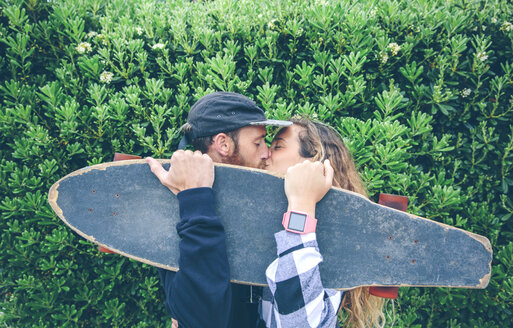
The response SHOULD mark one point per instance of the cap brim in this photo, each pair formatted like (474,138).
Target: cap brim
(272,122)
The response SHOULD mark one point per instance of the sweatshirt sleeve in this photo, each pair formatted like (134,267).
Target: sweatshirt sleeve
(297,296)
(199,294)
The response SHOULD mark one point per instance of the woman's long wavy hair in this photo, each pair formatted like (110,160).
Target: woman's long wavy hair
(318,142)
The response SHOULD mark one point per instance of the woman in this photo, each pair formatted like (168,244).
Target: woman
(317,157)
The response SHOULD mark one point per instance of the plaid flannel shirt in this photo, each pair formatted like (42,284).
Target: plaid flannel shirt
(296,297)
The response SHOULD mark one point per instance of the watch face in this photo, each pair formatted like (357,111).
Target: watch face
(297,221)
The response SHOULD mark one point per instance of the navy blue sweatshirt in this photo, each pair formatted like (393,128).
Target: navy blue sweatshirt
(199,294)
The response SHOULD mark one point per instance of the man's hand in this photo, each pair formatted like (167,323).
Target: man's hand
(306,184)
(188,170)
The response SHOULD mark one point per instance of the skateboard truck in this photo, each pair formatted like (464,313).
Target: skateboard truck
(118,157)
(399,203)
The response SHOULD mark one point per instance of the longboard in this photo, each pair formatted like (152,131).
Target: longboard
(122,206)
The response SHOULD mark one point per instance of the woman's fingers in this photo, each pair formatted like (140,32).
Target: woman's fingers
(328,173)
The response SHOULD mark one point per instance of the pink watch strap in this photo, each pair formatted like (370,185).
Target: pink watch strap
(310,223)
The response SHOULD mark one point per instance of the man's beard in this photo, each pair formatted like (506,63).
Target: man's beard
(237,159)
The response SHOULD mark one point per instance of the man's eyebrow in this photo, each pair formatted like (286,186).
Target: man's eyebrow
(260,137)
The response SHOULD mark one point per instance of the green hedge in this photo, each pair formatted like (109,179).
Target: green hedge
(421,90)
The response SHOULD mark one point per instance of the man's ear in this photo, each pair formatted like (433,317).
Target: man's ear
(223,144)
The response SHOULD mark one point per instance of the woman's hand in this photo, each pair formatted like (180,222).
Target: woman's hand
(306,184)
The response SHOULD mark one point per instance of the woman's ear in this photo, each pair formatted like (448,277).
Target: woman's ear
(223,144)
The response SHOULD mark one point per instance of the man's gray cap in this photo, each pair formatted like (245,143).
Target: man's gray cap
(223,112)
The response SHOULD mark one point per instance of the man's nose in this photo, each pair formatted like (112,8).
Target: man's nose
(266,152)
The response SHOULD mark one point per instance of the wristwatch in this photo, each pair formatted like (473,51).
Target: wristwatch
(299,222)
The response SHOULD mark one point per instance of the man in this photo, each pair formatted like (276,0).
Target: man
(225,128)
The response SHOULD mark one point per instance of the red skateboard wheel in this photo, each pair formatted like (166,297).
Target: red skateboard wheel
(105,250)
(123,157)
(394,201)
(385,292)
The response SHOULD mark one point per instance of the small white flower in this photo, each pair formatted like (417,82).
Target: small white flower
(92,34)
(158,46)
(260,15)
(394,48)
(494,20)
(483,27)
(104,39)
(314,115)
(83,47)
(384,58)
(271,24)
(373,12)
(139,30)
(482,56)
(465,93)
(106,77)
(506,27)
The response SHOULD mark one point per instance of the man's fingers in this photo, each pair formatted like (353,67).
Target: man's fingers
(156,168)
(328,172)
